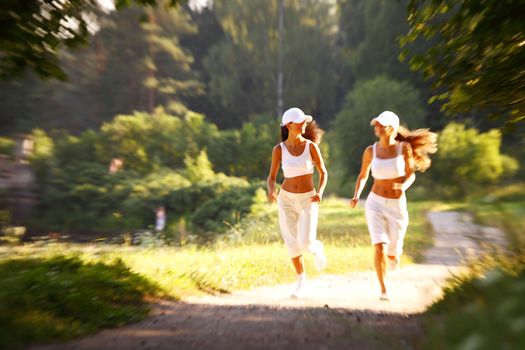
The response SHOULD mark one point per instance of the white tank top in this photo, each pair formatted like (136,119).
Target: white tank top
(388,168)
(297,165)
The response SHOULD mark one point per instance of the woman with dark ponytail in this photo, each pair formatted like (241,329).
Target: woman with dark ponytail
(393,162)
(298,201)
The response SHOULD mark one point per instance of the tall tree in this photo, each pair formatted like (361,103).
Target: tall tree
(134,62)
(369,32)
(209,33)
(368,37)
(476,60)
(243,66)
(34,32)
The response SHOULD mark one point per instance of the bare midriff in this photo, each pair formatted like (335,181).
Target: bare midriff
(384,188)
(299,184)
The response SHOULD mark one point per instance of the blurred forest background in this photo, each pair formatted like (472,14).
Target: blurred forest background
(186,99)
(150,124)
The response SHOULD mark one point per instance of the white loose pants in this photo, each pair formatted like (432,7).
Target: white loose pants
(298,222)
(387,221)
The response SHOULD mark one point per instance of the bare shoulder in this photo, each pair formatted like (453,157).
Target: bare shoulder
(369,150)
(277,150)
(314,147)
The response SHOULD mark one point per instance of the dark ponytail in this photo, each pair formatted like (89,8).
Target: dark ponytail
(284,133)
(423,143)
(313,132)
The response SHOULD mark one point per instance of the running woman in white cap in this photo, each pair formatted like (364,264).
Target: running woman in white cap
(392,161)
(298,201)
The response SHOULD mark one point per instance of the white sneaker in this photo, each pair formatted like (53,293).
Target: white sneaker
(393,264)
(299,290)
(384,296)
(320,259)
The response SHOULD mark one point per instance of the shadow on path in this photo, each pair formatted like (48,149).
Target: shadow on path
(191,326)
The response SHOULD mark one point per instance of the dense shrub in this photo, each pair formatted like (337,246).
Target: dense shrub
(468,160)
(480,313)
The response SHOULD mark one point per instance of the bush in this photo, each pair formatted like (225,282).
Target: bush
(165,163)
(148,142)
(467,160)
(248,151)
(60,298)
(480,313)
(224,211)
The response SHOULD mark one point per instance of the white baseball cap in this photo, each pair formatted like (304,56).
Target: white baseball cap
(387,118)
(295,115)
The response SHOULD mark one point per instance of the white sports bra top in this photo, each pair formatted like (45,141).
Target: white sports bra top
(388,168)
(297,165)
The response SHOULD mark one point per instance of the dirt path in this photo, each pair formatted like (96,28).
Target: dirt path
(337,312)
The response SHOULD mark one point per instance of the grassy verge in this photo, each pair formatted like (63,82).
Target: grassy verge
(485,308)
(58,291)
(62,297)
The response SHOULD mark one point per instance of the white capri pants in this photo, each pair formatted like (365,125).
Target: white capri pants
(387,221)
(298,222)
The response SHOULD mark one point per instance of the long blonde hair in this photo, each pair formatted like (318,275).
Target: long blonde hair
(423,143)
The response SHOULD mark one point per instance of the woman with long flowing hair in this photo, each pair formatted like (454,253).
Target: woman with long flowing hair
(393,161)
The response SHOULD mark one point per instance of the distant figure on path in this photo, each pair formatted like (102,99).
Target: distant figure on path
(393,161)
(160,221)
(298,201)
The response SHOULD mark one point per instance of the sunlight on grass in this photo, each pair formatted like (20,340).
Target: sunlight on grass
(226,267)
(252,256)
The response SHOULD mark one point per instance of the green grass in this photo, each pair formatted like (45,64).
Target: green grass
(53,286)
(62,297)
(485,307)
(481,311)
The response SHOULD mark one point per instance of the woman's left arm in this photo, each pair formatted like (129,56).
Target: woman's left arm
(319,165)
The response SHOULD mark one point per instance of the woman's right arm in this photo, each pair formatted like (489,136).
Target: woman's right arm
(363,176)
(274,168)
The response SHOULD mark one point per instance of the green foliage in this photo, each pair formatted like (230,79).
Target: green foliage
(147,142)
(136,198)
(61,297)
(7,147)
(377,52)
(352,130)
(468,159)
(483,312)
(150,66)
(70,149)
(483,307)
(132,62)
(198,168)
(217,214)
(42,157)
(476,55)
(164,163)
(242,67)
(51,30)
(245,152)
(83,195)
